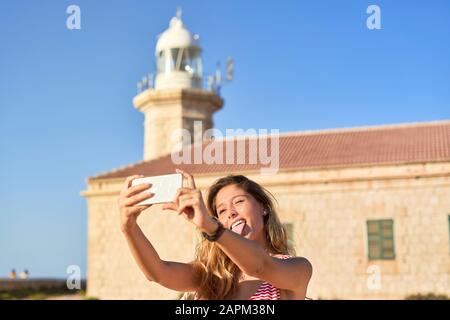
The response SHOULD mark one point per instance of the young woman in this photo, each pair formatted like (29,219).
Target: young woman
(244,253)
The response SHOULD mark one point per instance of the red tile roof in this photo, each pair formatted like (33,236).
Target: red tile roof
(392,144)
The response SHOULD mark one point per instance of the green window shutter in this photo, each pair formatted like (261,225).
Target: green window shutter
(380,237)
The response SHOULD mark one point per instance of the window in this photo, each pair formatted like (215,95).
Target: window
(180,59)
(380,236)
(161,62)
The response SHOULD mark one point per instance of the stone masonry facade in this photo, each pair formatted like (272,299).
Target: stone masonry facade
(328,209)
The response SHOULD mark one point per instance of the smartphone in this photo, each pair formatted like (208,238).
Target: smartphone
(164,187)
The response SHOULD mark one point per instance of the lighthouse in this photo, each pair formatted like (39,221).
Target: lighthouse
(178,96)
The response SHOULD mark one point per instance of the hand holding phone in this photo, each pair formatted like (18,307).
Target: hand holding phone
(164,187)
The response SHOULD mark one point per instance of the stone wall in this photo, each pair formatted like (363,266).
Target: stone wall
(328,208)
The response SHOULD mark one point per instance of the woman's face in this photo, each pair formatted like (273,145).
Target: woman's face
(239,211)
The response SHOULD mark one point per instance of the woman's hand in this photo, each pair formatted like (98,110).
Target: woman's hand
(189,202)
(129,197)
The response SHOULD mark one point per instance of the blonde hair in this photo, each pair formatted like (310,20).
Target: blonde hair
(218,273)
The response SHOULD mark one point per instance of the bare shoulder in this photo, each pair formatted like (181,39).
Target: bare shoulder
(301,263)
(298,260)
(304,264)
(303,275)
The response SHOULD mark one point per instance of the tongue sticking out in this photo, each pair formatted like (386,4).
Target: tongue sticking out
(238,229)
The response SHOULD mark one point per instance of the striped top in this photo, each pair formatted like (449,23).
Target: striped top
(267,291)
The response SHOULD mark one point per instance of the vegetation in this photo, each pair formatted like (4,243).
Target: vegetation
(41,294)
(427,296)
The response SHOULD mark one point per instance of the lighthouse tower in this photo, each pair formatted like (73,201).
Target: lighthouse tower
(177,98)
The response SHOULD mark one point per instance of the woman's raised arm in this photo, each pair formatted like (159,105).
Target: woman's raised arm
(172,275)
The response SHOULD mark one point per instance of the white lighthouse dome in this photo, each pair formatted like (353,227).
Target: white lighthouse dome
(178,57)
(176,36)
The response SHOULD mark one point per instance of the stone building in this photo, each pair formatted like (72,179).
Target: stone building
(368,206)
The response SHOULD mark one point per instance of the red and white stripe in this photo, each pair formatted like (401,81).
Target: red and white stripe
(267,291)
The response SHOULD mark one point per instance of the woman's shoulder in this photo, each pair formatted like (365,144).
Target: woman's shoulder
(282,256)
(302,260)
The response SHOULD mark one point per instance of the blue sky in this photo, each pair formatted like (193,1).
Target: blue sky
(66,95)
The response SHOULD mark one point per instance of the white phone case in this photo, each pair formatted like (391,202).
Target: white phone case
(164,187)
